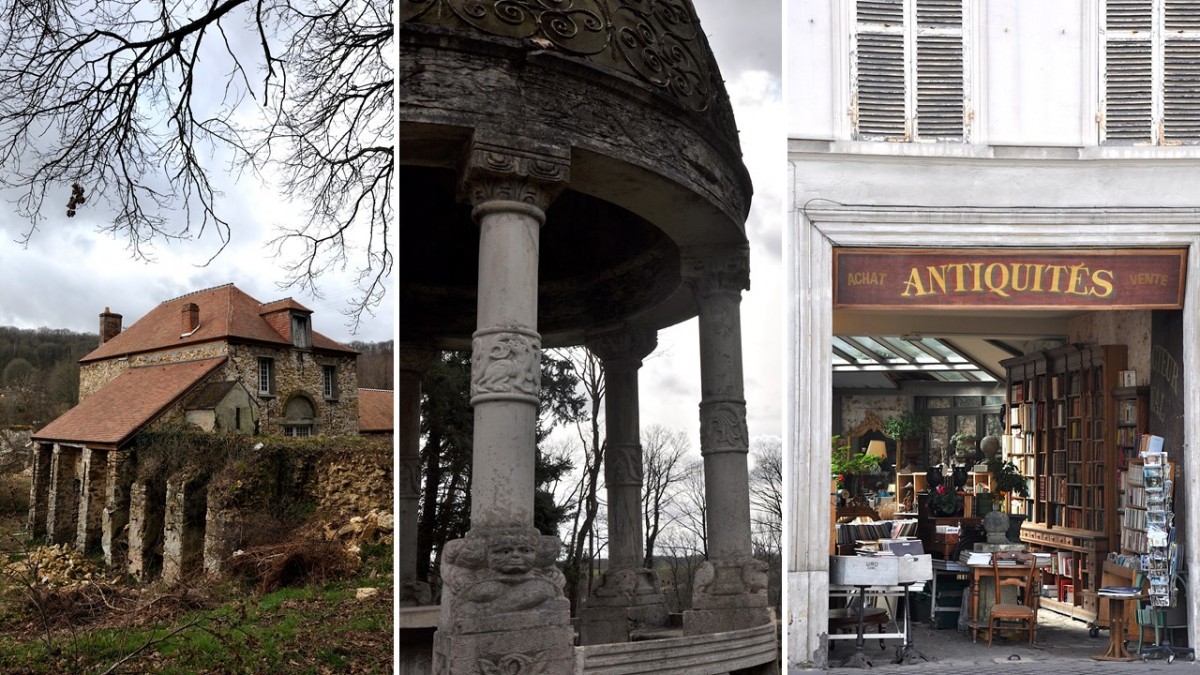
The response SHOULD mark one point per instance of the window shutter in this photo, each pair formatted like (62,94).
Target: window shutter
(1128,69)
(1181,72)
(879,70)
(940,91)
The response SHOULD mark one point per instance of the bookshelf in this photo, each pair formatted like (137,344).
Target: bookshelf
(1132,405)
(1062,434)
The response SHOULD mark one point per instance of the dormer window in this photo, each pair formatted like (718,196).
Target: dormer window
(301,332)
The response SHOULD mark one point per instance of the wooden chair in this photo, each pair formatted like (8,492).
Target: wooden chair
(1023,577)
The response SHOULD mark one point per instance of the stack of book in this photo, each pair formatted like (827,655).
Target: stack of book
(975,558)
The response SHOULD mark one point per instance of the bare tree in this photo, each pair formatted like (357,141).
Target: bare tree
(581,548)
(142,104)
(664,466)
(693,507)
(766,494)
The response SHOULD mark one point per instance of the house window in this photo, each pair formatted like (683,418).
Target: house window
(329,381)
(301,332)
(908,75)
(299,417)
(1151,66)
(266,376)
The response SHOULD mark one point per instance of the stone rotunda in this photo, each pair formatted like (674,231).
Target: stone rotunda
(571,175)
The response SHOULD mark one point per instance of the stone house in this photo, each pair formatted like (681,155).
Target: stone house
(217,359)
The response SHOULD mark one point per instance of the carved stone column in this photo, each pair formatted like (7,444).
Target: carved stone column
(730,588)
(414,361)
(629,596)
(503,608)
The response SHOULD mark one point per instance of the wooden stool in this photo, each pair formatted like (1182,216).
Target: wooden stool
(842,618)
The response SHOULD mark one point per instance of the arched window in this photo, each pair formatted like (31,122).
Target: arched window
(299,417)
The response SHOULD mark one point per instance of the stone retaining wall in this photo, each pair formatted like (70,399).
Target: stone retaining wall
(189,522)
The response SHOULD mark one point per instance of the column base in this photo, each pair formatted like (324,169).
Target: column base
(414,594)
(546,650)
(728,595)
(503,609)
(627,600)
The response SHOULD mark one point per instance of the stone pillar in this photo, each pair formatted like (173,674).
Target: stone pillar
(147,501)
(39,489)
(414,361)
(93,476)
(183,527)
(63,497)
(629,596)
(222,527)
(730,588)
(114,537)
(503,608)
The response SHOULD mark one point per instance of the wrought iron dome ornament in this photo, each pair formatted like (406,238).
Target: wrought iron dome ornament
(657,42)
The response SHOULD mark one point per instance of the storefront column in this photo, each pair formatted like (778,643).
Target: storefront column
(503,607)
(730,590)
(629,596)
(414,361)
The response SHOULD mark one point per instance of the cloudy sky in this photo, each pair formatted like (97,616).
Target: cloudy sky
(745,37)
(71,270)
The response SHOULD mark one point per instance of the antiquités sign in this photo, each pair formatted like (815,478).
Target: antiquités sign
(1008,278)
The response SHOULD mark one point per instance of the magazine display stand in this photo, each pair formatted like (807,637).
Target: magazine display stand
(1160,564)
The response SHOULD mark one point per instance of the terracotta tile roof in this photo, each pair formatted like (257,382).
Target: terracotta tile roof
(375,411)
(132,399)
(226,313)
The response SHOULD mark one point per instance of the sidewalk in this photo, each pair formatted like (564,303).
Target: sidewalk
(1063,647)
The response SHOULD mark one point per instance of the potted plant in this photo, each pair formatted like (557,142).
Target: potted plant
(1007,481)
(944,501)
(847,464)
(907,430)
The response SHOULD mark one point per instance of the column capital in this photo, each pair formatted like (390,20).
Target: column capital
(529,175)
(416,359)
(628,344)
(709,270)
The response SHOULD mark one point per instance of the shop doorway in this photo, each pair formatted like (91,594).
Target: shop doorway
(817,231)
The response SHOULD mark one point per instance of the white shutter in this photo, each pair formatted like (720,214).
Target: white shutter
(1128,72)
(879,70)
(1127,96)
(1181,72)
(940,91)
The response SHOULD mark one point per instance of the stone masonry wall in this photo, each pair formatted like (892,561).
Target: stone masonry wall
(353,483)
(300,372)
(93,376)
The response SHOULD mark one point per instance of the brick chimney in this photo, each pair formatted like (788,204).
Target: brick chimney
(191,317)
(110,325)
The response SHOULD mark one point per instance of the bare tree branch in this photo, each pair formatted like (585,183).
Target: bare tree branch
(135,102)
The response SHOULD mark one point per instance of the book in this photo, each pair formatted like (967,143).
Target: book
(975,557)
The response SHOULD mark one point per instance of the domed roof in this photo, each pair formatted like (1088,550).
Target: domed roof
(656,42)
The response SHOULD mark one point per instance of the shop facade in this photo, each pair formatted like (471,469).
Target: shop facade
(1035,163)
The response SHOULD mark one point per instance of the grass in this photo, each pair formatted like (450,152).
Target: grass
(317,628)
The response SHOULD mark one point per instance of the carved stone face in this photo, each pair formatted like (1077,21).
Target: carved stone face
(511,555)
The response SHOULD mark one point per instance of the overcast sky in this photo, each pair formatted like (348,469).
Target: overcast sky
(745,37)
(71,271)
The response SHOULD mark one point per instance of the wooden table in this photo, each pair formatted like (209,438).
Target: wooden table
(1116,626)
